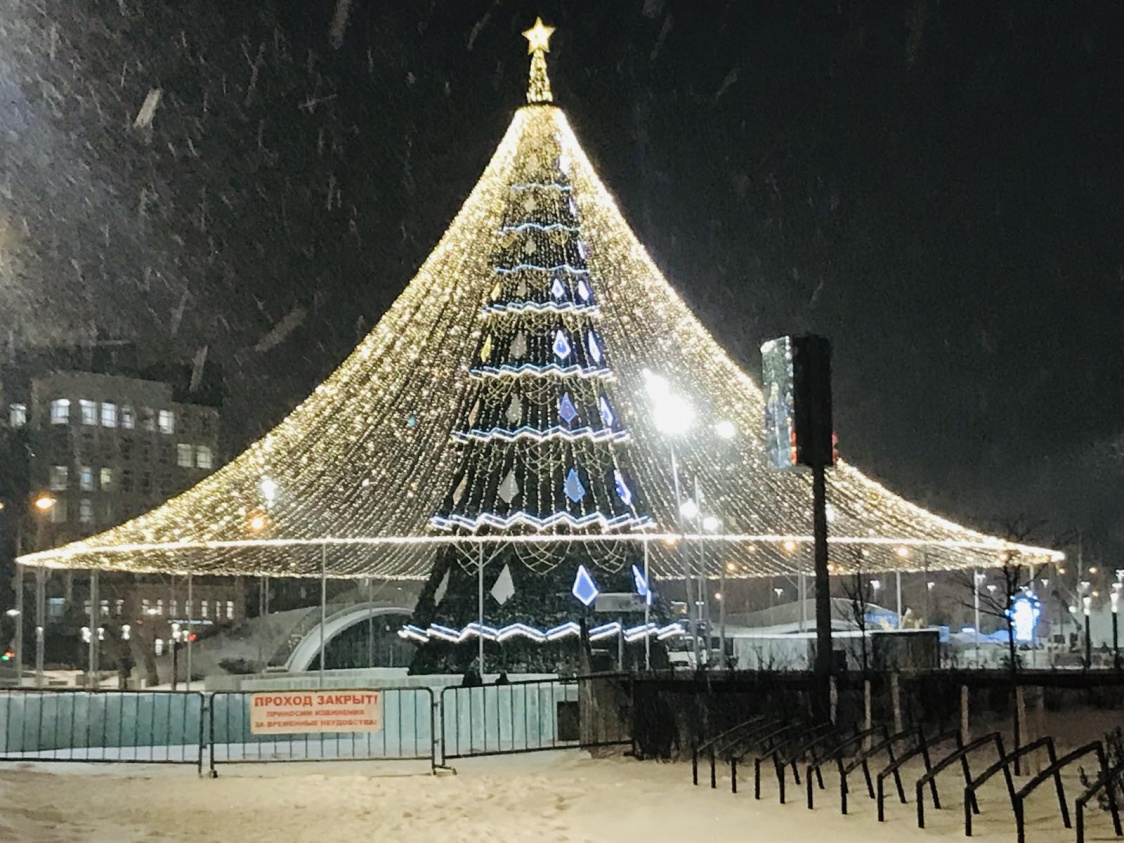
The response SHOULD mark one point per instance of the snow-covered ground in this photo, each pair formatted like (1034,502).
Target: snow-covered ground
(555,796)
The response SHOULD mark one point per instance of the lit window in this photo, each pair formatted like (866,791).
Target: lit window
(85,478)
(58,512)
(159,646)
(60,411)
(184,456)
(89,411)
(167,421)
(128,420)
(105,608)
(119,606)
(59,478)
(187,608)
(172,607)
(17,415)
(108,414)
(86,511)
(160,607)
(144,606)
(203,457)
(230,610)
(106,479)
(203,608)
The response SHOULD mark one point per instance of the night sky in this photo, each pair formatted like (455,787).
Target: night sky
(934,185)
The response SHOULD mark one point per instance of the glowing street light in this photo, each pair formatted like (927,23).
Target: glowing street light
(689,509)
(45,502)
(725,429)
(711,524)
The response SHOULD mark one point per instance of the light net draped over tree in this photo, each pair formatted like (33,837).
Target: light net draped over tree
(501,400)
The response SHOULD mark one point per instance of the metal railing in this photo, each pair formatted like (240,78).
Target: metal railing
(147,727)
(408,733)
(535,715)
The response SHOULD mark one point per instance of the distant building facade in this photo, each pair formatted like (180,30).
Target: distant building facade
(109,441)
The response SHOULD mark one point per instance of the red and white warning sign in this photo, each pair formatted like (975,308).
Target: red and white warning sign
(273,713)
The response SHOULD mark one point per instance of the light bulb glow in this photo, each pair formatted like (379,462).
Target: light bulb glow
(351,475)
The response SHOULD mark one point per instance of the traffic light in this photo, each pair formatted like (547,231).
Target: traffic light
(7,656)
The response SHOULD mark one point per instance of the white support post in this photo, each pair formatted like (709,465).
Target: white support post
(648,612)
(898,586)
(40,620)
(21,619)
(802,585)
(95,623)
(480,610)
(190,629)
(323,604)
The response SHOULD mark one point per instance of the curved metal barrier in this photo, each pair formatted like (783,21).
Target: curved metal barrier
(1102,783)
(836,755)
(1004,764)
(711,743)
(1091,748)
(960,754)
(921,749)
(863,758)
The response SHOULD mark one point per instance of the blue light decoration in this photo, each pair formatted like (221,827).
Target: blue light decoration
(522,630)
(582,249)
(585,589)
(562,347)
(556,289)
(566,409)
(583,289)
(573,487)
(1024,614)
(606,411)
(641,585)
(623,492)
(593,346)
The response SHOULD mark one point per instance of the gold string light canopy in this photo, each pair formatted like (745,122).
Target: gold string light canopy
(353,478)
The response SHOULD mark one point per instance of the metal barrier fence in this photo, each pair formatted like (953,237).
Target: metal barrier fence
(408,733)
(535,715)
(148,727)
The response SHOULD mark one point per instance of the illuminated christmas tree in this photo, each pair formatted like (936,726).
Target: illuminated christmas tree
(502,410)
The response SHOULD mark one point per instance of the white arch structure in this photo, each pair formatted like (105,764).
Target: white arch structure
(306,652)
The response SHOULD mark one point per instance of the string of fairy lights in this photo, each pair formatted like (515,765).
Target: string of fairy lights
(358,476)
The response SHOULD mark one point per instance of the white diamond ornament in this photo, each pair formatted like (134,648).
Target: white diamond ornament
(509,488)
(442,587)
(529,246)
(562,347)
(515,410)
(458,492)
(474,413)
(504,589)
(518,346)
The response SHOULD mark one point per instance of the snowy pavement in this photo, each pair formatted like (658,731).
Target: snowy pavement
(555,796)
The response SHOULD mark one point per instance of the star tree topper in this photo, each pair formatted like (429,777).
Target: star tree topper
(538,44)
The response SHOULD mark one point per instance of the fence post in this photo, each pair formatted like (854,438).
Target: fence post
(1020,721)
(834,694)
(965,725)
(896,702)
(867,713)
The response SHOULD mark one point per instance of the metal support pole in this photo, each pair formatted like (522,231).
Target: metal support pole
(824,657)
(802,587)
(323,604)
(976,610)
(683,557)
(190,631)
(21,619)
(1088,640)
(703,609)
(898,586)
(647,612)
(1115,637)
(370,622)
(480,610)
(722,620)
(40,620)
(95,623)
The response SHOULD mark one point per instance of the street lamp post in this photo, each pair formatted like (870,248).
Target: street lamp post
(673,417)
(1114,597)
